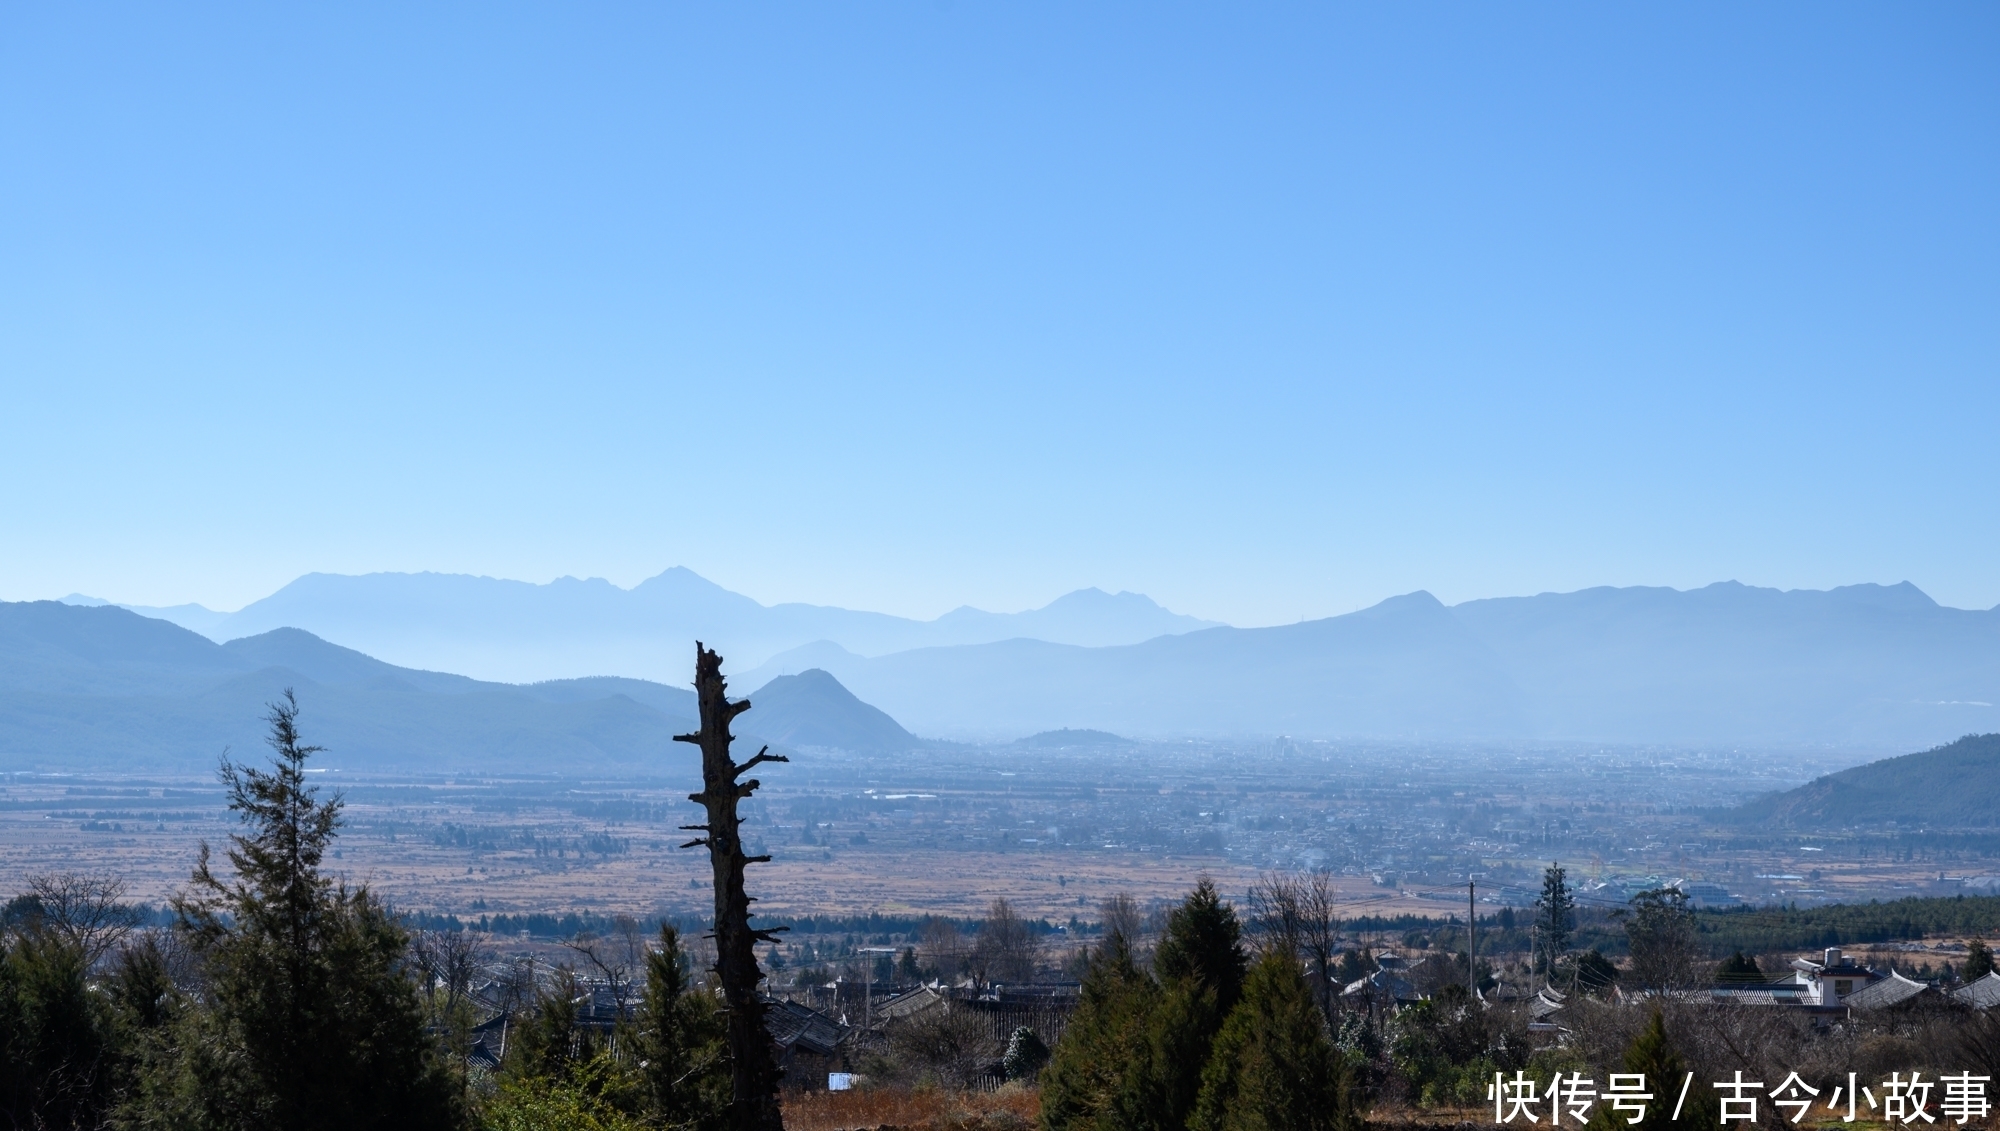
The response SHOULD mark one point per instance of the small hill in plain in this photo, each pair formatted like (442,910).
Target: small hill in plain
(1057,739)
(1954,786)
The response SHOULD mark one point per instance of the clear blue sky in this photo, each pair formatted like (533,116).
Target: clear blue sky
(1265,311)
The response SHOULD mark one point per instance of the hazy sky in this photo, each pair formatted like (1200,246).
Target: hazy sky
(1265,311)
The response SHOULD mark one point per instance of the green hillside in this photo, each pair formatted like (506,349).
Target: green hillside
(1955,786)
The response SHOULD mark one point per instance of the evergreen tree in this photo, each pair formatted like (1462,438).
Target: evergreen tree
(1652,1055)
(1091,1066)
(1978,960)
(551,1042)
(1273,1068)
(1555,918)
(1204,943)
(1026,1054)
(1135,1066)
(312,1020)
(678,1039)
(1164,1079)
(1200,966)
(58,1040)
(1739,967)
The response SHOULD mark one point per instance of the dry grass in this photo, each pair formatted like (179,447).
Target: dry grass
(1012,1108)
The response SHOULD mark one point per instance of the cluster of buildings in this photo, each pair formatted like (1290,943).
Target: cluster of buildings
(813,1046)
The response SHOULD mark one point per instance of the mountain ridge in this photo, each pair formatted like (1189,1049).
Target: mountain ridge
(104,688)
(1951,786)
(519,632)
(1869,666)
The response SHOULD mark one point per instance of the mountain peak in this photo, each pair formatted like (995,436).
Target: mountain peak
(813,708)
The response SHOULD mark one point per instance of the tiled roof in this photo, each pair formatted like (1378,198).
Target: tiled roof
(1980,993)
(792,1025)
(1892,990)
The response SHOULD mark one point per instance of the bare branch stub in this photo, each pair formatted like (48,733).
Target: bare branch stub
(754,1072)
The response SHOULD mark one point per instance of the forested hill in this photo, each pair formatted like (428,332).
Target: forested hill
(1954,786)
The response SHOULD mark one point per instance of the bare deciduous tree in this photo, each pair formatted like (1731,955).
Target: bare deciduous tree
(1122,918)
(1007,949)
(87,911)
(1293,913)
(618,957)
(1666,954)
(449,962)
(946,1042)
(940,944)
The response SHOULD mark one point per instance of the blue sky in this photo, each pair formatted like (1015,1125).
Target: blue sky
(1267,311)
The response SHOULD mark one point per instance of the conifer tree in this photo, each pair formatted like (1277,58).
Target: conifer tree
(1204,943)
(58,1040)
(1091,1067)
(551,1042)
(1272,1067)
(1652,1055)
(1164,1079)
(1200,966)
(1978,960)
(1555,918)
(312,1020)
(678,1039)
(1026,1054)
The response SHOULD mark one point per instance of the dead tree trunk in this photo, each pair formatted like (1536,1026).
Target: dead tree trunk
(754,1097)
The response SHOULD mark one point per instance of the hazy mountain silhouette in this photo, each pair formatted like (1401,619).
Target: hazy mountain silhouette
(519,631)
(1953,786)
(1066,738)
(1867,665)
(104,688)
(1405,667)
(813,709)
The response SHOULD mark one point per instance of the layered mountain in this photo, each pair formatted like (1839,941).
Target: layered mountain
(812,710)
(1866,666)
(106,689)
(1404,668)
(518,631)
(1954,786)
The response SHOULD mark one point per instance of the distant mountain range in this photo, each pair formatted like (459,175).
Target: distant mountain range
(1954,786)
(517,631)
(1865,666)
(106,689)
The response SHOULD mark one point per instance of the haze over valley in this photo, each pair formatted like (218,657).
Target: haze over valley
(1871,668)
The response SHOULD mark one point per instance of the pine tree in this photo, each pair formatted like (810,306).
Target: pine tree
(1200,965)
(59,1054)
(312,1020)
(1978,960)
(1091,1066)
(678,1039)
(1555,918)
(1026,1054)
(1739,967)
(1204,943)
(1164,1079)
(1134,1065)
(1652,1055)
(551,1042)
(1272,1067)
